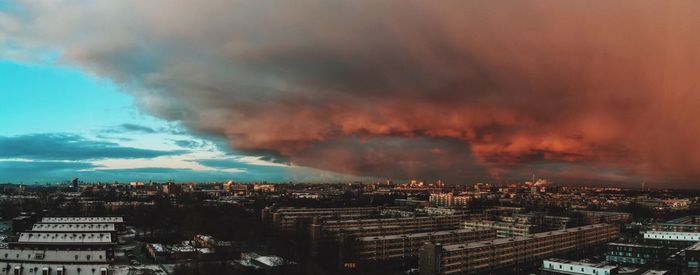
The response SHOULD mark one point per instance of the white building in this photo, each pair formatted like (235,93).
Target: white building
(559,266)
(116,220)
(52,262)
(672,236)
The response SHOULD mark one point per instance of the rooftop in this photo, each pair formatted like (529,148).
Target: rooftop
(457,247)
(54,256)
(74,227)
(82,220)
(65,238)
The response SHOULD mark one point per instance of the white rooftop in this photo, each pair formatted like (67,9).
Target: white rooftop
(82,220)
(73,227)
(52,268)
(65,238)
(52,256)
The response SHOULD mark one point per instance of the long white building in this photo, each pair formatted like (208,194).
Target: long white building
(560,266)
(53,262)
(115,220)
(74,227)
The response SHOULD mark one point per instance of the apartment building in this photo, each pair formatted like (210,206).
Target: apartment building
(637,254)
(594,217)
(683,224)
(290,219)
(390,247)
(338,230)
(503,229)
(507,255)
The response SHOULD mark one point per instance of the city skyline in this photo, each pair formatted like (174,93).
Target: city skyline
(329,91)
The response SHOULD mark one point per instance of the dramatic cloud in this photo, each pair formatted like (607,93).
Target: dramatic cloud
(70,147)
(450,89)
(29,171)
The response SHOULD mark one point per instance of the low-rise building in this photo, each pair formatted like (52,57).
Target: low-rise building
(556,266)
(638,254)
(672,239)
(53,262)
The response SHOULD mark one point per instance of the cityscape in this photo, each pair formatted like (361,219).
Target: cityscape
(349,137)
(412,227)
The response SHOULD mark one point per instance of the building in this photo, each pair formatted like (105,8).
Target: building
(390,247)
(156,251)
(683,224)
(672,239)
(637,254)
(71,234)
(53,262)
(503,229)
(114,220)
(509,255)
(692,255)
(554,266)
(340,230)
(594,217)
(221,249)
(22,223)
(441,199)
(290,218)
(73,227)
(65,241)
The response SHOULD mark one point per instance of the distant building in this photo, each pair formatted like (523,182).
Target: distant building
(509,255)
(503,229)
(593,217)
(683,224)
(74,183)
(441,199)
(637,254)
(672,239)
(264,187)
(222,249)
(556,266)
(408,245)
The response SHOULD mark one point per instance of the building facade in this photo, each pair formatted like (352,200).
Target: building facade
(508,255)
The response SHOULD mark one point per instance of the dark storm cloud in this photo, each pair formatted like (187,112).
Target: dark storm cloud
(70,147)
(372,87)
(30,171)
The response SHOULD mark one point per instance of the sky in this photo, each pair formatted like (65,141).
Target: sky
(318,90)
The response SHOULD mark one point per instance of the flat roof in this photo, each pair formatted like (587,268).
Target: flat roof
(65,238)
(457,247)
(82,219)
(74,227)
(53,256)
(585,264)
(420,235)
(395,219)
(634,245)
(695,246)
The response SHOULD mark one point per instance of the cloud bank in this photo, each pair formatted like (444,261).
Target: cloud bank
(458,90)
